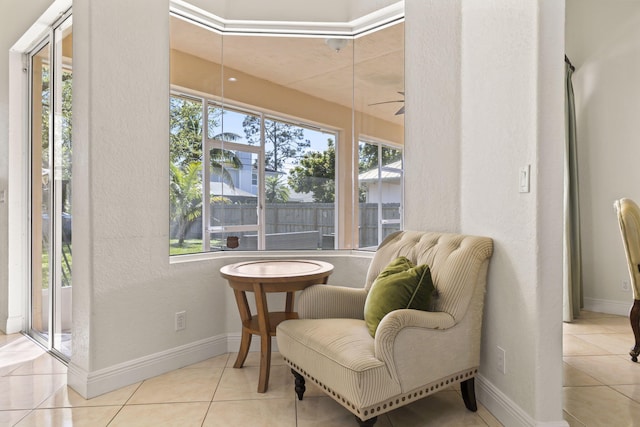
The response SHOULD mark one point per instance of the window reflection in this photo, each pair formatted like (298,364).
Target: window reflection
(284,117)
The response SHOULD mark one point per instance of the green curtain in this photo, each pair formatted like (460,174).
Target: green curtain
(572,271)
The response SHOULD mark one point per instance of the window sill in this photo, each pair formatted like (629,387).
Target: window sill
(203,256)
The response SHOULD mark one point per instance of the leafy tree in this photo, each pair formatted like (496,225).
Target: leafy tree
(316,174)
(65,129)
(276,190)
(186,197)
(185,124)
(186,137)
(186,161)
(368,156)
(282,140)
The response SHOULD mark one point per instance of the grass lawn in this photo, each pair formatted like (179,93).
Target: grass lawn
(190,246)
(66,266)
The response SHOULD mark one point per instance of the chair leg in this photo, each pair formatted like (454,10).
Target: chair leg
(367,423)
(468,390)
(634,318)
(300,388)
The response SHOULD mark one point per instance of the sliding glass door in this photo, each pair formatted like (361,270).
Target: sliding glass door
(51,248)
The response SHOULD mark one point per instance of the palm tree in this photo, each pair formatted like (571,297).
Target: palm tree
(186,197)
(276,191)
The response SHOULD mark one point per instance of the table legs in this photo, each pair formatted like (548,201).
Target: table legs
(264,324)
(245,315)
(265,337)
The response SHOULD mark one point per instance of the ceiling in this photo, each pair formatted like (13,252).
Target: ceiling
(372,63)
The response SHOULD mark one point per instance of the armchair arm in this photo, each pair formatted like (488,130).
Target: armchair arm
(327,301)
(424,333)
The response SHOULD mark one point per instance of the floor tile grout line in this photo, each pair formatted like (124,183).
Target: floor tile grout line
(622,394)
(115,415)
(25,416)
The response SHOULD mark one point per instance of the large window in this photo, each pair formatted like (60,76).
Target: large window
(380,187)
(268,134)
(269,183)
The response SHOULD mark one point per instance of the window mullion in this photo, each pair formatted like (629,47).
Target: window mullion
(206,180)
(262,187)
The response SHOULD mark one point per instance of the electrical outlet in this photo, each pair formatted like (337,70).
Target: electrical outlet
(625,286)
(500,359)
(181,320)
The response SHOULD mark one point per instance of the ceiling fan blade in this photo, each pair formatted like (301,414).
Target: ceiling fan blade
(386,102)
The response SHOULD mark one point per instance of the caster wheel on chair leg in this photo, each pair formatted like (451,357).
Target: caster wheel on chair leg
(634,353)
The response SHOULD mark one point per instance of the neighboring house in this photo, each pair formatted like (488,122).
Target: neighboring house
(234,194)
(385,189)
(244,180)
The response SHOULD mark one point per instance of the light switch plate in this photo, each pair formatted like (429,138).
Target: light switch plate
(523,179)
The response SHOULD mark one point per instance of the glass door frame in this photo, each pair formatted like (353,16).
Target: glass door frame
(51,336)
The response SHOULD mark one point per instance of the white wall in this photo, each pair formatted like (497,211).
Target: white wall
(432,118)
(607,94)
(512,117)
(501,108)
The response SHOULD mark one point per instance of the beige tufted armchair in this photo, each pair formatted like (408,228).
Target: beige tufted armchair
(629,222)
(414,353)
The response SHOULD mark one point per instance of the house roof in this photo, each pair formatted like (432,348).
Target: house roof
(387,175)
(223,189)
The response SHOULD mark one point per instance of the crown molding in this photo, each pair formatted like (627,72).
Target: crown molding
(354,28)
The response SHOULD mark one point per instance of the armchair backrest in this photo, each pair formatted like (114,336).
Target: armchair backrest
(458,263)
(629,222)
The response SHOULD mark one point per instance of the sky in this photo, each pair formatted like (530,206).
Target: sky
(232,122)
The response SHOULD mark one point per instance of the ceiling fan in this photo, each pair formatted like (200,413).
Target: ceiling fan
(400,111)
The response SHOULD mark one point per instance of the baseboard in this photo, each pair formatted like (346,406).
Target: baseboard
(13,325)
(92,384)
(621,308)
(505,409)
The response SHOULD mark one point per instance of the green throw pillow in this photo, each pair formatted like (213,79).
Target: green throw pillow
(400,285)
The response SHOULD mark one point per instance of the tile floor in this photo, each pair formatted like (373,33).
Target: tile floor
(602,388)
(601,383)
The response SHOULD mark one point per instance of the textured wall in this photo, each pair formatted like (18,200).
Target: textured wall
(432,126)
(512,117)
(490,102)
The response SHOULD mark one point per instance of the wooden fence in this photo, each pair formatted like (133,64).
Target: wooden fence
(299,217)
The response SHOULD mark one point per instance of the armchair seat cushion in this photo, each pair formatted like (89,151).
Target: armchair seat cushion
(340,352)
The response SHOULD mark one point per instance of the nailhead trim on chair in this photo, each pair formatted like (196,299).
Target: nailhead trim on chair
(382,407)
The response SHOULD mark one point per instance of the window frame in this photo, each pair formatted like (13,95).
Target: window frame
(381,145)
(208,144)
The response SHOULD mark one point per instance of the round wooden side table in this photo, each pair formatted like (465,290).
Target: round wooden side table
(262,277)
